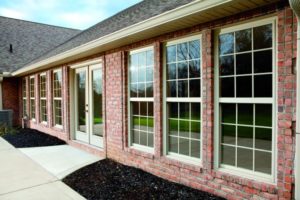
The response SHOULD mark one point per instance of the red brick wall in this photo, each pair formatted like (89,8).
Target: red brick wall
(203,176)
(10,93)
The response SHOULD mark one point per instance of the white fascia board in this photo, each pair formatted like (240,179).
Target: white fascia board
(172,15)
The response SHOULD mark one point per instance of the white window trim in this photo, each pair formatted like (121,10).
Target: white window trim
(271,179)
(137,99)
(59,126)
(170,155)
(32,98)
(43,98)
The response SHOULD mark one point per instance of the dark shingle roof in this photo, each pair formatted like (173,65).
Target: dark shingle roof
(130,16)
(29,40)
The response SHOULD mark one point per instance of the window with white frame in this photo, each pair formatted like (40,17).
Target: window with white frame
(57,97)
(43,98)
(141,64)
(24,96)
(32,98)
(183,98)
(246,98)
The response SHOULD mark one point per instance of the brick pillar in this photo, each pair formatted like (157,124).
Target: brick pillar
(287,26)
(207,100)
(158,100)
(66,100)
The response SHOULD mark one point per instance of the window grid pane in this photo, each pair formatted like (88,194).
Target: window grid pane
(246,71)
(183,81)
(141,87)
(24,97)
(32,98)
(57,97)
(43,99)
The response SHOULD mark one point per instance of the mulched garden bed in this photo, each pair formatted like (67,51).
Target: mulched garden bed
(31,138)
(107,179)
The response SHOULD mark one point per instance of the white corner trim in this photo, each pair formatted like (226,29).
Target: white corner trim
(180,12)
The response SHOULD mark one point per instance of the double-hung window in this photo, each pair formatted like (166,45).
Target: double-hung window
(32,97)
(24,96)
(183,98)
(43,98)
(245,99)
(57,98)
(141,128)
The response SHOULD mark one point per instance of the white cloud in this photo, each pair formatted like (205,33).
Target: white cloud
(12,13)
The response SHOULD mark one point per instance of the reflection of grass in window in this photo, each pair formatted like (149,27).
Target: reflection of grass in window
(98,120)
(260,120)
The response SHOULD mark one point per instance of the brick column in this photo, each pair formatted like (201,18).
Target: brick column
(207,100)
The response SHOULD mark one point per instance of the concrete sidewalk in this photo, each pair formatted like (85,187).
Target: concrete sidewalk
(23,179)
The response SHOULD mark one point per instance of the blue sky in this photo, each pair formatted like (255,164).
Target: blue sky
(79,14)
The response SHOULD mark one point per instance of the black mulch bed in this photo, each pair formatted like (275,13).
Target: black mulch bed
(31,138)
(107,179)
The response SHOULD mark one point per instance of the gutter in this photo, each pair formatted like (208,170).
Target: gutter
(295,5)
(172,15)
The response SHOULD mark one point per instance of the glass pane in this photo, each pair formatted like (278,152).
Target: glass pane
(136,137)
(263,61)
(150,109)
(226,43)
(171,54)
(142,59)
(173,127)
(245,136)
(195,130)
(143,108)
(171,88)
(184,146)
(244,86)
(150,140)
(135,108)
(184,111)
(263,86)
(142,74)
(136,122)
(143,123)
(262,36)
(182,52)
(245,158)
(133,90)
(57,112)
(173,144)
(227,87)
(244,63)
(149,74)
(182,88)
(245,114)
(263,162)
(228,155)
(134,61)
(182,70)
(263,114)
(143,138)
(195,148)
(150,124)
(173,110)
(149,90)
(194,67)
(228,113)
(194,49)
(97,102)
(184,127)
(195,89)
(263,138)
(171,71)
(196,111)
(243,40)
(226,65)
(81,95)
(150,58)
(141,89)
(228,134)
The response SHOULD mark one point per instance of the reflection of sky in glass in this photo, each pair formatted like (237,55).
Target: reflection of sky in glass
(97,81)
(226,43)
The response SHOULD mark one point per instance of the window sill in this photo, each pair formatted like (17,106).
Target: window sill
(141,151)
(241,173)
(190,164)
(59,127)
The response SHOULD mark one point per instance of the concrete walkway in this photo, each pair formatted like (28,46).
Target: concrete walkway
(23,179)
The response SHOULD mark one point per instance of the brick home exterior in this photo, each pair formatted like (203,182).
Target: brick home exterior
(115,109)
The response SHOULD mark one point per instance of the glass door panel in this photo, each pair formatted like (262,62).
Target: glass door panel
(97,125)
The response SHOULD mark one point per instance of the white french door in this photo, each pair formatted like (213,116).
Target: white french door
(88,105)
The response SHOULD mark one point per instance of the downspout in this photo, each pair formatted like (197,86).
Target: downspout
(295,5)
